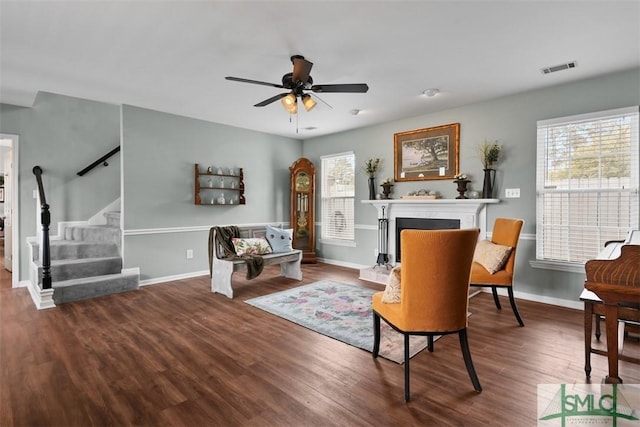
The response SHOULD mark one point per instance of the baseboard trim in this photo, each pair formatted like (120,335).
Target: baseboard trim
(578,305)
(42,298)
(165,279)
(343,264)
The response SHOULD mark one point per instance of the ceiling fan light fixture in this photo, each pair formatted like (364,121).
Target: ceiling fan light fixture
(308,102)
(288,101)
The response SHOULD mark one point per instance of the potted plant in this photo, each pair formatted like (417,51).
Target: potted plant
(371,168)
(489,153)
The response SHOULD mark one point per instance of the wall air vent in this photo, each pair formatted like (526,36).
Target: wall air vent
(547,70)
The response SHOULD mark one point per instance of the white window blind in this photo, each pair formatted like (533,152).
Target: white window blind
(338,196)
(587,183)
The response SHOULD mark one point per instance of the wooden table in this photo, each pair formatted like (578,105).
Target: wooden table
(594,307)
(614,279)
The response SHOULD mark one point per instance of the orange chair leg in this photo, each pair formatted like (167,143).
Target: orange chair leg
(494,291)
(407,394)
(376,335)
(512,300)
(466,354)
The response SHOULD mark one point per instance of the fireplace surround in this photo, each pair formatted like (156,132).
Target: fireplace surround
(466,213)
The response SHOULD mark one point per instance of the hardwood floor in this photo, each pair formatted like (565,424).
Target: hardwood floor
(176,354)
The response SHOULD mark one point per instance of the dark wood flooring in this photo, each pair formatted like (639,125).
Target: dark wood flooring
(175,354)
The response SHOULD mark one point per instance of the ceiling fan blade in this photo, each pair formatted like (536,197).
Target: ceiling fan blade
(255,82)
(270,100)
(301,69)
(344,88)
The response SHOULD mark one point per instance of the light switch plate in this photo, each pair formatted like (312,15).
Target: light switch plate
(512,193)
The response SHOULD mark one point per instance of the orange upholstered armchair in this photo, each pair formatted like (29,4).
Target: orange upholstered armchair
(506,232)
(434,288)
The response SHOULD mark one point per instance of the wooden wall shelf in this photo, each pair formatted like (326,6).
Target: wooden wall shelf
(218,189)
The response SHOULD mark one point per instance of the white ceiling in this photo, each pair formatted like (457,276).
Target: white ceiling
(173,56)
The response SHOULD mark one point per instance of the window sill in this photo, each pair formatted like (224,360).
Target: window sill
(569,267)
(349,243)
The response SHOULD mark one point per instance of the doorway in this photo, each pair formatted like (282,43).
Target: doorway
(9,204)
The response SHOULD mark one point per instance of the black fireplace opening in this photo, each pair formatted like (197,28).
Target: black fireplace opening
(422,224)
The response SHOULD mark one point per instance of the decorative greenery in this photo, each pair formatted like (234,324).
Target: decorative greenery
(489,153)
(372,166)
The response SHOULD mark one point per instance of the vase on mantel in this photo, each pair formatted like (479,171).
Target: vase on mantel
(386,190)
(372,188)
(488,183)
(462,187)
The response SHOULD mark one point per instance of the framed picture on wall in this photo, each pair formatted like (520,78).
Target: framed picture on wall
(426,154)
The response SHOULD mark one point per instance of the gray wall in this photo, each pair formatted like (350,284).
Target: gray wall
(63,135)
(512,121)
(160,218)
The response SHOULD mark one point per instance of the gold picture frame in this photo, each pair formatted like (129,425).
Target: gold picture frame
(427,154)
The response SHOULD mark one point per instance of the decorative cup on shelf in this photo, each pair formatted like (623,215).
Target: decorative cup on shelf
(221,199)
(219,171)
(210,169)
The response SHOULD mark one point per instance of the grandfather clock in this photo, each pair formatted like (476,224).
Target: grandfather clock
(303,187)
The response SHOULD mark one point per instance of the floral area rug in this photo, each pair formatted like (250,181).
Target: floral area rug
(340,311)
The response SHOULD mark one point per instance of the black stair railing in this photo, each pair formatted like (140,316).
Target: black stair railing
(45,219)
(102,160)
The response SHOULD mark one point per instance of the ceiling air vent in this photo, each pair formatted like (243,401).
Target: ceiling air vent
(547,70)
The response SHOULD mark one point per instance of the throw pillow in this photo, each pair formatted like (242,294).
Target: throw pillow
(279,239)
(491,255)
(251,246)
(391,293)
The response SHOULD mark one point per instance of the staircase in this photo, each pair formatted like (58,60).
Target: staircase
(86,262)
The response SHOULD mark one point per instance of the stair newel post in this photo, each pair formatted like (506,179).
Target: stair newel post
(45,220)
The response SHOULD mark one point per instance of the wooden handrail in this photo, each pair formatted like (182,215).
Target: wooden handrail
(45,219)
(102,160)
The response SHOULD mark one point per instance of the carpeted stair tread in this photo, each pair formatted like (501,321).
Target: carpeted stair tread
(86,262)
(93,287)
(87,280)
(84,267)
(73,249)
(99,233)
(113,219)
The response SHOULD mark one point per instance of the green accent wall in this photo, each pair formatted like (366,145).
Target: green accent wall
(159,153)
(62,135)
(512,121)
(153,174)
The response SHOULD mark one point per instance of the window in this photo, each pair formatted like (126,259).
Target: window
(587,184)
(338,197)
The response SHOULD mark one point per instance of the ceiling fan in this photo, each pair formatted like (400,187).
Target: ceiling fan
(297,83)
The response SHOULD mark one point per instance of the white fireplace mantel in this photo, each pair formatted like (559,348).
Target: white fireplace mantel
(471,213)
